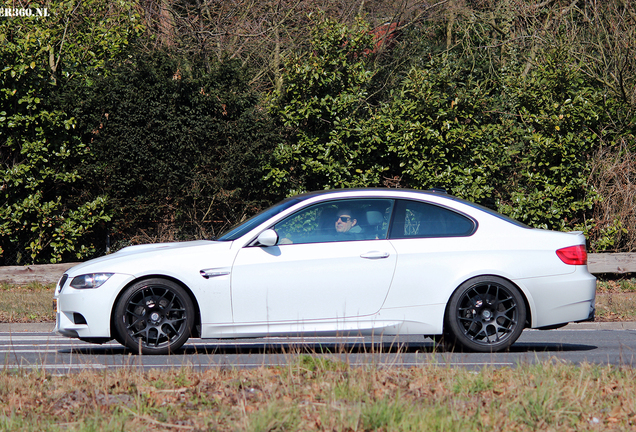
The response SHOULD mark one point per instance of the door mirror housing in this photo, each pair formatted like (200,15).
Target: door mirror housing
(267,238)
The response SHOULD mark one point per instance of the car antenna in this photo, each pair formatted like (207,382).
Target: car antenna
(438,189)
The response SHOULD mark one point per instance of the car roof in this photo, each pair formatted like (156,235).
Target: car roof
(433,191)
(437,192)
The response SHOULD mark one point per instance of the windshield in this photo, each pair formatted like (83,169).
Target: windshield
(258,219)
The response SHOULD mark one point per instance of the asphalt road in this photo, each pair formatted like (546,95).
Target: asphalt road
(36,347)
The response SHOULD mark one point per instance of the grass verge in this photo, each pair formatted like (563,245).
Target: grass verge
(31,303)
(616,299)
(314,394)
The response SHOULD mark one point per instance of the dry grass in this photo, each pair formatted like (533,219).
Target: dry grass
(315,394)
(616,307)
(26,304)
(616,285)
(616,299)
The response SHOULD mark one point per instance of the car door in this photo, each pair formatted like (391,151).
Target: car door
(314,272)
(434,244)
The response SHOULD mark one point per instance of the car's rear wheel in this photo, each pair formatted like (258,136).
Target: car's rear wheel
(154,316)
(486,314)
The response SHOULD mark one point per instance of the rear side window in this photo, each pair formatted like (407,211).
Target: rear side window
(414,219)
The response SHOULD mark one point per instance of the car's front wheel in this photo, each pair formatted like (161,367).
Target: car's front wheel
(154,316)
(486,314)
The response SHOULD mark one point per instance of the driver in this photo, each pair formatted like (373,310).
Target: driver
(346,223)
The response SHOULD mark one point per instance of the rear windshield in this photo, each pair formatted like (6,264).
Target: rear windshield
(492,212)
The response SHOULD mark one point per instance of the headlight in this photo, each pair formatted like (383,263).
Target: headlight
(92,280)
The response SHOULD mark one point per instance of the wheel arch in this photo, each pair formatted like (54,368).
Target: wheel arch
(196,330)
(526,303)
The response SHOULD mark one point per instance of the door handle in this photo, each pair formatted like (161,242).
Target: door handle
(375,255)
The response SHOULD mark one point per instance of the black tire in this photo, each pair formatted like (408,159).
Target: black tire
(155,315)
(486,314)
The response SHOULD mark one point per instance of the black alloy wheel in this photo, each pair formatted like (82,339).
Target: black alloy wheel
(486,314)
(154,316)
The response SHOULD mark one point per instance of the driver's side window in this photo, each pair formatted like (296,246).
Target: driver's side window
(338,220)
(301,227)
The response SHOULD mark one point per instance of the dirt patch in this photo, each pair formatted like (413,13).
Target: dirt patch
(613,307)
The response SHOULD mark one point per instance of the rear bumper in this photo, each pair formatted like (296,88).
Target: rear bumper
(561,299)
(591,317)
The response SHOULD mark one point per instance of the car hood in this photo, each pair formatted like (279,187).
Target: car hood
(144,248)
(155,257)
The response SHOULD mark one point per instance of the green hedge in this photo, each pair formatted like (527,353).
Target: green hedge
(146,143)
(175,143)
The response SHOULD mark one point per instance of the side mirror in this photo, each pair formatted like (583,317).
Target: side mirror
(267,238)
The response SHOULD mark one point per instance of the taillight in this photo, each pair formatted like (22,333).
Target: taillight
(573,255)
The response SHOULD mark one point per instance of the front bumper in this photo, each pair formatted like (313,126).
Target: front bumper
(86,313)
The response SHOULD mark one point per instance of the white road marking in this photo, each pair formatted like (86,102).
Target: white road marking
(51,344)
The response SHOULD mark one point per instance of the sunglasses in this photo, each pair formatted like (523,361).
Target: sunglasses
(345,219)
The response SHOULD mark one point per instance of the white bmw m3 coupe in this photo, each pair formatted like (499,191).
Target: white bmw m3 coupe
(371,261)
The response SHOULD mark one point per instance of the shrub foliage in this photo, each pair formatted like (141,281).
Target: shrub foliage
(176,144)
(45,216)
(518,142)
(132,118)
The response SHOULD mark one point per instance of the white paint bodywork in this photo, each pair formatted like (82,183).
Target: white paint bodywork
(366,287)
